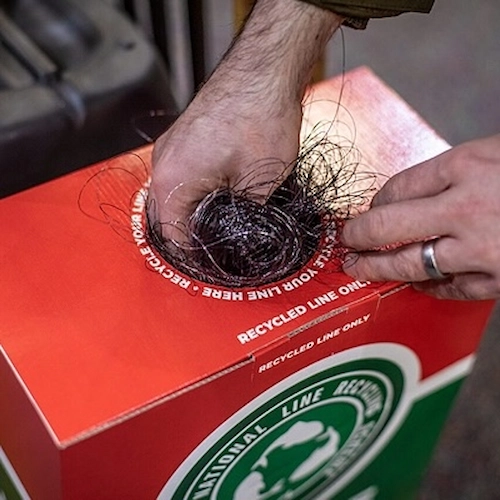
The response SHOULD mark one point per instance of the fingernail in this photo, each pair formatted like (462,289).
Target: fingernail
(349,260)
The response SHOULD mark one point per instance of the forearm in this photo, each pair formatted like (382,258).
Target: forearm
(242,128)
(273,57)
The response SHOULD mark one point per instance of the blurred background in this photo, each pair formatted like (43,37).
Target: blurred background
(444,64)
(78,79)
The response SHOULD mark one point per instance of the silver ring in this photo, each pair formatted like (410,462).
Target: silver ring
(429,261)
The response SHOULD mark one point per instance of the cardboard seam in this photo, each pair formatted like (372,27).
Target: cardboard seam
(143,408)
(318,320)
(333,313)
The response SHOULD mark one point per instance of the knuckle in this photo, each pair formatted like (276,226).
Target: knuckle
(375,224)
(346,233)
(461,208)
(459,293)
(367,269)
(491,287)
(385,195)
(455,164)
(451,291)
(463,156)
(404,267)
(360,233)
(486,254)
(471,287)
(467,156)
(443,166)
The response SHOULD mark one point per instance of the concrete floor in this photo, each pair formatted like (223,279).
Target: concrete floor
(446,65)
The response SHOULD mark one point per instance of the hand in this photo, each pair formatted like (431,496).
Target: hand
(456,197)
(242,129)
(220,143)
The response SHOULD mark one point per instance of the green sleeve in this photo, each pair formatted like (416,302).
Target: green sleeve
(358,12)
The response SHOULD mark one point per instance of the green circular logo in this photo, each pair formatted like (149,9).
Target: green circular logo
(307,433)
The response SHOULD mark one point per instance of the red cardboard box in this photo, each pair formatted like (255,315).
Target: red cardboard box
(122,378)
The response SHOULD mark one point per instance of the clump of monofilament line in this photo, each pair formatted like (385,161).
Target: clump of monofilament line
(234,240)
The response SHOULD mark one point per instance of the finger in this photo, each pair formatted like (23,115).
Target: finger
(261,178)
(469,286)
(420,181)
(167,226)
(172,210)
(406,264)
(400,222)
(402,264)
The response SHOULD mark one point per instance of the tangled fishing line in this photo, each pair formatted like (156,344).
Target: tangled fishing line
(234,240)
